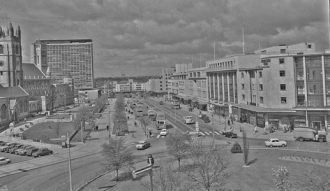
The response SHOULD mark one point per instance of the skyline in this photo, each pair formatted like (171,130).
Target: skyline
(140,37)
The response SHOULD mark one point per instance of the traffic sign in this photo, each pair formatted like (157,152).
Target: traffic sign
(135,173)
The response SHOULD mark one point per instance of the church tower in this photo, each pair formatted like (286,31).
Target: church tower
(11,73)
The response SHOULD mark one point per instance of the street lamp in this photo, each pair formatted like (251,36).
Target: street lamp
(69,158)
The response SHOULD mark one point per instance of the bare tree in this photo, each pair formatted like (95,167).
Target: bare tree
(209,170)
(246,149)
(118,155)
(178,146)
(281,179)
(52,96)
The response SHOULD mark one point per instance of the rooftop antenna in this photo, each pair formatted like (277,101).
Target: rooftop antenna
(200,60)
(214,49)
(329,21)
(243,43)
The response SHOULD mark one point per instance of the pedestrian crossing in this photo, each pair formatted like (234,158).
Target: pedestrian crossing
(209,133)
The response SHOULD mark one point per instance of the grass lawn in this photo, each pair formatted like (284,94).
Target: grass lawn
(48,130)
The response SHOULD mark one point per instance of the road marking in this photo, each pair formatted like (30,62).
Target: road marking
(202,133)
(216,133)
(206,133)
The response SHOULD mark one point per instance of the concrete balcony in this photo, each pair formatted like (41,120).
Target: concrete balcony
(301,91)
(300,77)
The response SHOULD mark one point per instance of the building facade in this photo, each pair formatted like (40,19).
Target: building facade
(197,86)
(61,59)
(179,83)
(10,56)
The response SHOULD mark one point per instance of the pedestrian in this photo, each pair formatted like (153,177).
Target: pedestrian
(255,129)
(150,133)
(107,127)
(97,127)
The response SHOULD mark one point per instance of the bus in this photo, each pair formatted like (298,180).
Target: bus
(160,120)
(152,114)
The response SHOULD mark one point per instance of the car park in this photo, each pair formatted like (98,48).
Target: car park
(275,142)
(141,145)
(163,132)
(4,160)
(42,152)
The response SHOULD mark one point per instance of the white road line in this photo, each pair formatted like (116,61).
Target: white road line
(216,133)
(202,133)
(206,133)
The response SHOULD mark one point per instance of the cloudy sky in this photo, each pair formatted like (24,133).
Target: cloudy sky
(138,37)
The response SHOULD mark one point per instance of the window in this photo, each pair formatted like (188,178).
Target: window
(242,86)
(261,99)
(261,87)
(281,60)
(282,87)
(282,51)
(1,49)
(252,86)
(242,74)
(309,46)
(282,73)
(283,100)
(252,74)
(243,97)
(260,74)
(1,63)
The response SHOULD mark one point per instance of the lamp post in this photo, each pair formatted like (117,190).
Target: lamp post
(69,158)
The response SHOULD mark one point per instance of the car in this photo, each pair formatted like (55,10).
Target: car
(141,145)
(31,150)
(11,145)
(2,143)
(4,160)
(23,150)
(2,148)
(163,132)
(229,134)
(189,120)
(195,133)
(275,142)
(42,152)
(14,148)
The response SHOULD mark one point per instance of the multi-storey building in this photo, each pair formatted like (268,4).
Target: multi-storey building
(60,59)
(165,77)
(179,83)
(198,86)
(10,56)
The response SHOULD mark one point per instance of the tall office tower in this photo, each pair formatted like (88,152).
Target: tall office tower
(61,59)
(10,56)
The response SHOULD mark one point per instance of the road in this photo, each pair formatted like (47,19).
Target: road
(176,117)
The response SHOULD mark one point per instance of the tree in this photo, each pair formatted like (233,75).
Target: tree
(52,97)
(281,179)
(118,155)
(209,166)
(178,146)
(246,149)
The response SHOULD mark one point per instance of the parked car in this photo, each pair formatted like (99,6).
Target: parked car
(2,148)
(189,120)
(42,152)
(163,132)
(205,118)
(31,151)
(4,160)
(11,145)
(141,145)
(229,134)
(23,150)
(275,142)
(14,148)
(2,143)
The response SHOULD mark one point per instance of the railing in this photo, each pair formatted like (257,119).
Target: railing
(300,77)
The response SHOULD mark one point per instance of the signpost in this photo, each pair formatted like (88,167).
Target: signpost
(146,169)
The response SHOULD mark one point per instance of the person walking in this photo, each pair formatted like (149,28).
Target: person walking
(255,130)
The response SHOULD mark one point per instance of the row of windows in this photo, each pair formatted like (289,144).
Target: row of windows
(261,87)
(16,48)
(261,99)
(222,64)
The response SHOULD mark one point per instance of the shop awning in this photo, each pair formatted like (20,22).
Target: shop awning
(262,109)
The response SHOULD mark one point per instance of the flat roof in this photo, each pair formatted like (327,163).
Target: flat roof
(64,41)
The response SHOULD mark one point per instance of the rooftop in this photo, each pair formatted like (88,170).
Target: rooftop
(31,71)
(64,41)
(12,92)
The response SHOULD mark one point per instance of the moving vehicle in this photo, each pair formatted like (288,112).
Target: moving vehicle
(195,133)
(163,132)
(229,134)
(275,142)
(42,152)
(152,114)
(160,120)
(189,120)
(4,160)
(140,110)
(176,105)
(309,134)
(141,145)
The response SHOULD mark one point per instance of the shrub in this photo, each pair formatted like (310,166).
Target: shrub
(236,148)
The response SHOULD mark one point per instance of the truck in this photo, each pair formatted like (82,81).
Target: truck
(160,120)
(309,134)
(176,105)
